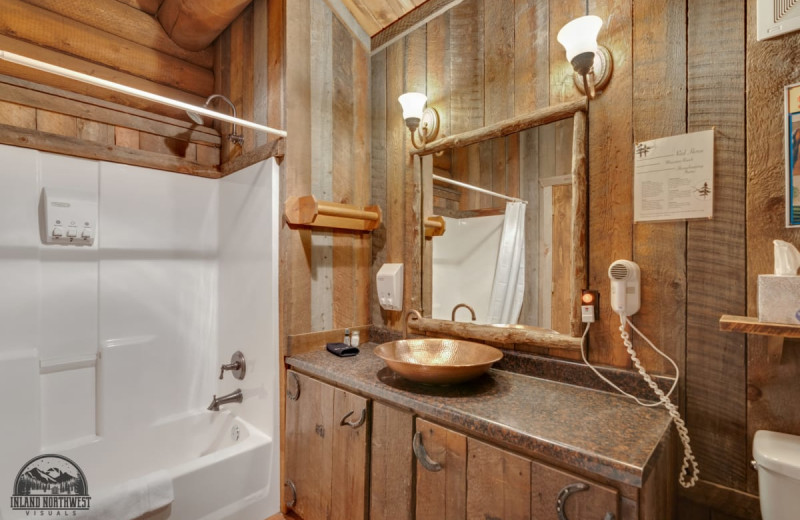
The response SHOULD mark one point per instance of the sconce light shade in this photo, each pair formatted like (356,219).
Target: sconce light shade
(413,105)
(580,36)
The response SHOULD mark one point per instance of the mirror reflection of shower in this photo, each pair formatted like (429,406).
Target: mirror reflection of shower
(233,137)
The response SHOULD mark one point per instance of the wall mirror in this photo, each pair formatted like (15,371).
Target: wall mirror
(538,176)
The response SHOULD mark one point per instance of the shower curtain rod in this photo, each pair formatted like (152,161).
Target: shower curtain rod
(85,78)
(475,188)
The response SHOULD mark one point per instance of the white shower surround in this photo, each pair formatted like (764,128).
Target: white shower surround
(183,273)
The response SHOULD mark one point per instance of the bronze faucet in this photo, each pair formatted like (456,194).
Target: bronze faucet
(409,312)
(471,310)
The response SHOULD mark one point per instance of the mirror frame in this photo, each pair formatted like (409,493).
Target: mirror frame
(529,335)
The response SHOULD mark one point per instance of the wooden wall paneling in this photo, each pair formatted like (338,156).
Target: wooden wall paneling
(498,483)
(67,145)
(611,178)
(391,464)
(66,104)
(396,137)
(261,92)
(125,21)
(562,86)
(276,67)
(531,56)
(499,169)
(47,29)
(545,261)
(295,257)
(498,56)
(362,243)
(580,220)
(513,168)
(344,264)
(236,71)
(49,56)
(13,114)
(415,81)
(379,181)
(659,110)
(248,77)
(485,174)
(322,162)
(441,495)
(770,388)
(467,66)
(561,301)
(126,137)
(55,123)
(529,190)
(715,382)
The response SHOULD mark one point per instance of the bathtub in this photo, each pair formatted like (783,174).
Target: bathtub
(219,465)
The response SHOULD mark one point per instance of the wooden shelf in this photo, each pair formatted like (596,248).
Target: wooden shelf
(777,332)
(750,325)
(308,211)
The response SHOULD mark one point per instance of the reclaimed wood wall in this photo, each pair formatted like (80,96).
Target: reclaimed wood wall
(679,66)
(325,280)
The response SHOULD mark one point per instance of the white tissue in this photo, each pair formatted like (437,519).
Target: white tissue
(787,258)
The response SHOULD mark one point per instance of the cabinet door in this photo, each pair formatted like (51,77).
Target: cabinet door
(350,432)
(587,500)
(498,484)
(326,452)
(391,464)
(441,489)
(309,444)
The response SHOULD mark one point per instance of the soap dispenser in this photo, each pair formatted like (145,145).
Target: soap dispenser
(779,293)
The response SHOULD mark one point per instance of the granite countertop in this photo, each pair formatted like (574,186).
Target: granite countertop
(597,431)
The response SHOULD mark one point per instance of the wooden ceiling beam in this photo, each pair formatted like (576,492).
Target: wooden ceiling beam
(195,25)
(53,31)
(120,19)
(148,6)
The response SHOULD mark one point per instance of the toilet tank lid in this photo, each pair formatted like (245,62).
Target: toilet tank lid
(779,452)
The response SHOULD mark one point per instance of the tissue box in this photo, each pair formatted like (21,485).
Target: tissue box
(779,299)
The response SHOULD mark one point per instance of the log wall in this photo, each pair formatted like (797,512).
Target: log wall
(678,67)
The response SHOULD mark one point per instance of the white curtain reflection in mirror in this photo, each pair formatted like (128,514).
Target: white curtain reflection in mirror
(508,287)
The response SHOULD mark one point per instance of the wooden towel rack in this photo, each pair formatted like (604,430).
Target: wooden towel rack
(308,211)
(435,226)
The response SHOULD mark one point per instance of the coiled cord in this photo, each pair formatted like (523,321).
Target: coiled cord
(688,457)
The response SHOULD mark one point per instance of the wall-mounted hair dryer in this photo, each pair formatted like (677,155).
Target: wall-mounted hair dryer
(625,287)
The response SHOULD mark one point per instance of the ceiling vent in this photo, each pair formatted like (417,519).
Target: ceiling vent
(776,17)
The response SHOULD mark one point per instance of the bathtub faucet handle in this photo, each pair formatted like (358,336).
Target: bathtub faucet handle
(237,366)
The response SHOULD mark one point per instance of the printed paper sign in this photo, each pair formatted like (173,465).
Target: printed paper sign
(673,177)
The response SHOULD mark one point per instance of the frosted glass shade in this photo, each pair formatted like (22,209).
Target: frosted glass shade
(580,35)
(413,104)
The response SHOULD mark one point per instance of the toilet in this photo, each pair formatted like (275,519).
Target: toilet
(777,458)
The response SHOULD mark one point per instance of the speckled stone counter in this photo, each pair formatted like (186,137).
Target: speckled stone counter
(580,427)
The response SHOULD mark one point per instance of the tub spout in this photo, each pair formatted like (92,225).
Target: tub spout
(233,397)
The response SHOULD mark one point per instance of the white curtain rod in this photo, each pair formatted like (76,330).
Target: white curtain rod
(85,78)
(475,188)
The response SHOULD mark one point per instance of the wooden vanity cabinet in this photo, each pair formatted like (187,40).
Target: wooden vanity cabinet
(459,477)
(327,430)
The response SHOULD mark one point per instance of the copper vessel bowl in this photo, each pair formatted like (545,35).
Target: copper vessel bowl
(438,361)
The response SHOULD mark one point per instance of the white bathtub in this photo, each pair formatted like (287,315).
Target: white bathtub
(219,465)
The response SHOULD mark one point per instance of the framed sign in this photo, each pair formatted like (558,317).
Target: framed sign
(792,104)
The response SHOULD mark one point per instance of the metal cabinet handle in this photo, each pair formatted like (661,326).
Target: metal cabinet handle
(564,494)
(422,455)
(289,394)
(293,501)
(354,424)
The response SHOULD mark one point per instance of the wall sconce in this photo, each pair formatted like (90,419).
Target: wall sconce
(421,121)
(592,62)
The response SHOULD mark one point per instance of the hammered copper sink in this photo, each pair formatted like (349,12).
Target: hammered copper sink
(438,361)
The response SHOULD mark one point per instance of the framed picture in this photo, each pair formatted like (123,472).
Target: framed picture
(792,104)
